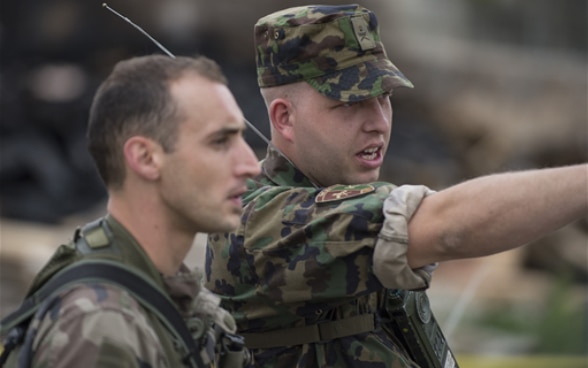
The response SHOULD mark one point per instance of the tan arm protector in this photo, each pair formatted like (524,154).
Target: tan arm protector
(390,264)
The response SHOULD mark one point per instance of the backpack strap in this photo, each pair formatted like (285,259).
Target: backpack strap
(145,291)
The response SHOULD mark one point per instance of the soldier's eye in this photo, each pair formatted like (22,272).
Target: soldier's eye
(221,142)
(349,104)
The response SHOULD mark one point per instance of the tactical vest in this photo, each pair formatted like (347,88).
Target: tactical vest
(94,256)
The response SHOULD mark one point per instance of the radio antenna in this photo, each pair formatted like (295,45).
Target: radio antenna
(259,134)
(140,30)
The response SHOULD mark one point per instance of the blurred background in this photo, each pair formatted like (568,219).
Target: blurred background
(499,85)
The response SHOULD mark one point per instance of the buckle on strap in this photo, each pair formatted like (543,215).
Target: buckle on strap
(310,334)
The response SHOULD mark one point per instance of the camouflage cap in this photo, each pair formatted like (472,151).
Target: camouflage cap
(336,49)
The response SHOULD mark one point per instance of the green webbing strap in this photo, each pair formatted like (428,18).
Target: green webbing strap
(310,334)
(107,271)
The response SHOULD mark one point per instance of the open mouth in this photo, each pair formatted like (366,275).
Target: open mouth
(370,154)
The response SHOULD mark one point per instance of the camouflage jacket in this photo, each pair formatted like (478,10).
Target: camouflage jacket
(99,324)
(303,257)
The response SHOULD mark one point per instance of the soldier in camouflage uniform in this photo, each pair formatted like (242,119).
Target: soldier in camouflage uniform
(166,137)
(320,238)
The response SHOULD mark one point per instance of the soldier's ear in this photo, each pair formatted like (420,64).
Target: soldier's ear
(281,117)
(143,157)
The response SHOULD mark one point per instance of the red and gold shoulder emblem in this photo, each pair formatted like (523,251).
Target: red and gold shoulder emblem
(342,192)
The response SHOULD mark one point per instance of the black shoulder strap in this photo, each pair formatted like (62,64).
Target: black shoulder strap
(107,271)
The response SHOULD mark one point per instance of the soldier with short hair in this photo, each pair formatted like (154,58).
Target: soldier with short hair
(166,135)
(321,242)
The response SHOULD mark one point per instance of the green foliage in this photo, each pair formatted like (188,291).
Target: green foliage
(558,326)
(564,326)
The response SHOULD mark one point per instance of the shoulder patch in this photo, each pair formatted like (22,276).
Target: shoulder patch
(342,192)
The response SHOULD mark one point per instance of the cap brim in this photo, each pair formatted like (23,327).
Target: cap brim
(362,81)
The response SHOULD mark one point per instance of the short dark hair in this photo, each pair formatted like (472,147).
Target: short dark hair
(135,99)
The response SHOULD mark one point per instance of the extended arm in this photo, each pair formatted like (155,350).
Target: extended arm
(496,213)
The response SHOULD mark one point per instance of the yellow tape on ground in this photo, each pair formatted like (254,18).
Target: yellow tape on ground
(531,361)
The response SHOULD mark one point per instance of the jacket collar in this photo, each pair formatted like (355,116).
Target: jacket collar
(276,169)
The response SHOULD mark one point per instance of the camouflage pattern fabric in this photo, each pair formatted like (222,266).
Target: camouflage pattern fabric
(103,325)
(111,328)
(95,325)
(303,256)
(336,49)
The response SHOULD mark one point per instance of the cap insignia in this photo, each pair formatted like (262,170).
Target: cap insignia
(364,37)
